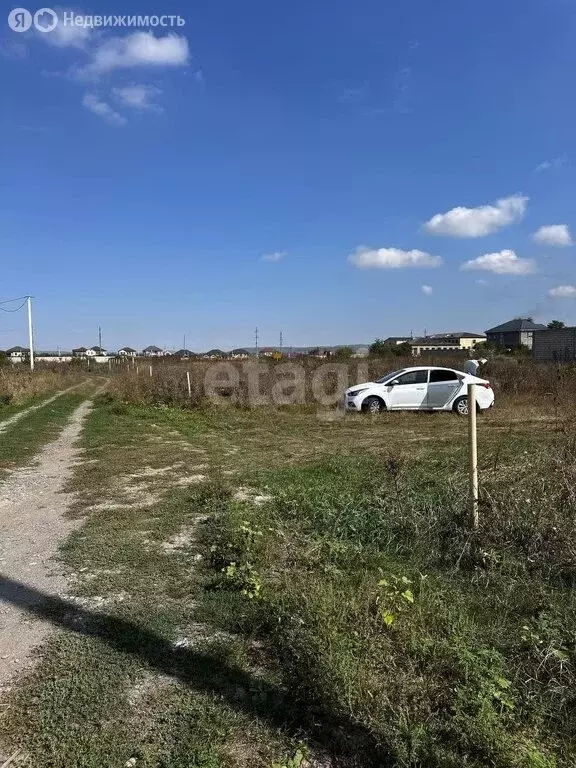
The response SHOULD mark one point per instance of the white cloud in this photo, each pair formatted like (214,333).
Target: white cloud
(477,222)
(481,281)
(427,290)
(140,49)
(553,234)
(102,109)
(392,258)
(65,36)
(504,262)
(138,97)
(274,256)
(555,162)
(563,292)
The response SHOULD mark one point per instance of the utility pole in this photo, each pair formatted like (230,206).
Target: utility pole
(281,342)
(256,341)
(100,337)
(30,331)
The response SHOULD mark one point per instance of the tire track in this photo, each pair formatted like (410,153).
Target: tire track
(17,416)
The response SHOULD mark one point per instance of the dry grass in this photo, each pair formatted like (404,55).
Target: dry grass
(18,384)
(309,381)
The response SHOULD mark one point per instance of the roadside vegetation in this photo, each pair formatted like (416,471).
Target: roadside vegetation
(310,381)
(287,587)
(20,388)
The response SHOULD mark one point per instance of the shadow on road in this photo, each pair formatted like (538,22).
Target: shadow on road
(348,743)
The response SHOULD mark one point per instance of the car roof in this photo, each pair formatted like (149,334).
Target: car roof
(431,368)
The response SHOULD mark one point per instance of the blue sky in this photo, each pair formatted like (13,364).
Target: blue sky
(209,178)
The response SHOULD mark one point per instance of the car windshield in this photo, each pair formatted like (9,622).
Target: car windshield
(389,376)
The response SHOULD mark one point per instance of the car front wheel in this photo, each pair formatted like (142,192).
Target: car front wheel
(373,405)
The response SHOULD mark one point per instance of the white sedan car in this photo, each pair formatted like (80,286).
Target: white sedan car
(425,388)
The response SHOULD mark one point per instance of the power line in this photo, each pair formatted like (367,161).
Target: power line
(12,300)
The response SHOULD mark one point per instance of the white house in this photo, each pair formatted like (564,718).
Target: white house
(153,351)
(127,352)
(17,354)
(95,352)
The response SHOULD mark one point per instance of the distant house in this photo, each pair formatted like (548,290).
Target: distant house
(184,354)
(127,352)
(455,341)
(17,354)
(361,352)
(95,352)
(239,354)
(557,345)
(514,333)
(267,351)
(79,352)
(152,351)
(394,341)
(214,354)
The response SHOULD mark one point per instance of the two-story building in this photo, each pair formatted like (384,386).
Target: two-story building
(438,343)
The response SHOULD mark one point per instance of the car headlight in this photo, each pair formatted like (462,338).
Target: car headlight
(356,392)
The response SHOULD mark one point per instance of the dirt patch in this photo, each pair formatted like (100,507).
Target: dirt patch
(179,541)
(251,495)
(32,525)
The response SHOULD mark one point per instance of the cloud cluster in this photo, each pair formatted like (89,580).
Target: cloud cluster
(104,58)
(138,97)
(553,234)
(504,262)
(563,292)
(392,258)
(478,222)
(427,290)
(274,256)
(102,109)
(139,49)
(555,162)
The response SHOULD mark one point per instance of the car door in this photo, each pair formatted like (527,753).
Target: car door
(408,390)
(443,386)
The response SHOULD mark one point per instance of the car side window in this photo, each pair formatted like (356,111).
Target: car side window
(442,375)
(413,377)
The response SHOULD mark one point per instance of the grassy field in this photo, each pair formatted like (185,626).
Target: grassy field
(20,388)
(292,587)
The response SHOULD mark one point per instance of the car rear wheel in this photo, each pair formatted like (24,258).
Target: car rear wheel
(461,406)
(373,405)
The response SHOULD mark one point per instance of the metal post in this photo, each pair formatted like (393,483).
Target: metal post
(189,384)
(150,370)
(473,456)
(30,332)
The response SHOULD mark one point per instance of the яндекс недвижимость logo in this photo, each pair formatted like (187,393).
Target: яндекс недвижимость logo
(44,20)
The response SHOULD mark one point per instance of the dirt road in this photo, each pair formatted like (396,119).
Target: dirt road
(32,525)
(17,416)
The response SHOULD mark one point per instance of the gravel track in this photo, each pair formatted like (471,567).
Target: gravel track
(17,416)
(32,526)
